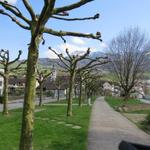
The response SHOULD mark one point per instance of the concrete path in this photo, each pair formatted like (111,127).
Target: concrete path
(108,128)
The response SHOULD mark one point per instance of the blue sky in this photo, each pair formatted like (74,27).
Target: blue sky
(115,16)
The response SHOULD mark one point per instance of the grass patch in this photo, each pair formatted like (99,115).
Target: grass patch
(48,135)
(116,101)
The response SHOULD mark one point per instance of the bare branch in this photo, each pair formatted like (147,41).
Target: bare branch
(61,57)
(77,19)
(71,7)
(18,57)
(76,34)
(15,20)
(29,8)
(15,11)
(18,66)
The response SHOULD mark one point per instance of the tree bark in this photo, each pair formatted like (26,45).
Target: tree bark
(85,94)
(26,138)
(5,96)
(58,95)
(126,97)
(66,94)
(80,94)
(70,94)
(41,94)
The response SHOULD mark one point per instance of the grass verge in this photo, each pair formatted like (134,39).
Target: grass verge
(116,102)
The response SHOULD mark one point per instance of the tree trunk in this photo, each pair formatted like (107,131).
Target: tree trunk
(41,94)
(66,94)
(80,94)
(57,94)
(75,92)
(26,138)
(70,95)
(5,96)
(126,97)
(85,95)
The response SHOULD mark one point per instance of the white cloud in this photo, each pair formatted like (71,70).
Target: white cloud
(50,54)
(78,41)
(10,1)
(103,45)
(72,48)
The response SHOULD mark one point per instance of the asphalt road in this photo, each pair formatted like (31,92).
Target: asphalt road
(19,103)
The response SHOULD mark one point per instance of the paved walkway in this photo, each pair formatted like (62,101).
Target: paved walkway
(108,128)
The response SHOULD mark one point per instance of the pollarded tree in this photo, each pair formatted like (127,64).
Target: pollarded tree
(128,53)
(71,64)
(60,83)
(87,75)
(36,25)
(8,68)
(93,85)
(42,75)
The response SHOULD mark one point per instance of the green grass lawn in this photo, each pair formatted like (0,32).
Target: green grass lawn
(48,133)
(115,102)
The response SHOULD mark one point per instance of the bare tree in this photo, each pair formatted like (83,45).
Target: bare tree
(91,80)
(128,56)
(7,70)
(42,75)
(36,24)
(60,83)
(71,65)
(84,75)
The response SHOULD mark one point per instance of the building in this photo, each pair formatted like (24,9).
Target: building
(57,86)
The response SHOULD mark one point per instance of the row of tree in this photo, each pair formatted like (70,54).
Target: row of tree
(72,65)
(35,23)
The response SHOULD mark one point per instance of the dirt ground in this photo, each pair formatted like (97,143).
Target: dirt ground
(135,117)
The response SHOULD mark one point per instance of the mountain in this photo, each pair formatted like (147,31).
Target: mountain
(97,54)
(47,62)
